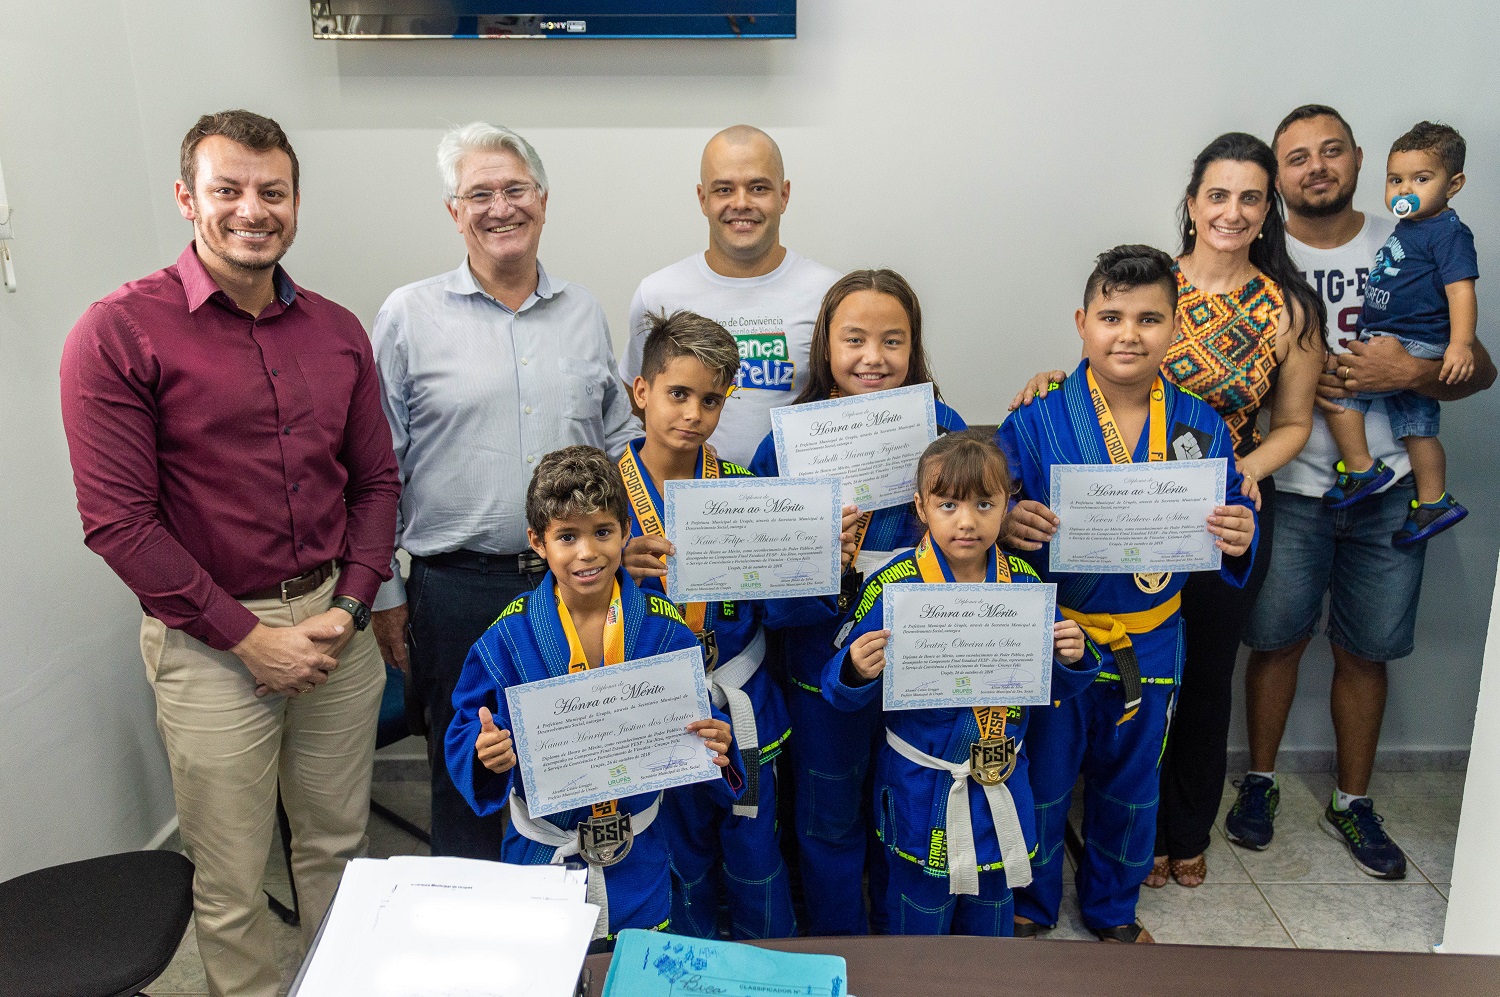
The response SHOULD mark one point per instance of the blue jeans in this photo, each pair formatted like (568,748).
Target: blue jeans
(1411,412)
(1346,554)
(449,609)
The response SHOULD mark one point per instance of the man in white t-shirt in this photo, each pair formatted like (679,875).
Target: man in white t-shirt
(766,295)
(1372,586)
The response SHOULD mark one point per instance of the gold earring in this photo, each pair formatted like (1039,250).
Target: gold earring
(1191,229)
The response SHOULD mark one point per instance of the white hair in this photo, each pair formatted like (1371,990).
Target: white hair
(477,136)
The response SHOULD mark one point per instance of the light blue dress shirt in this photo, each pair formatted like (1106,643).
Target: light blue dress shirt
(477,394)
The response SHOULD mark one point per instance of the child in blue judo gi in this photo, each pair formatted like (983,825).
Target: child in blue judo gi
(953,803)
(688,368)
(586,612)
(867,337)
(1116,408)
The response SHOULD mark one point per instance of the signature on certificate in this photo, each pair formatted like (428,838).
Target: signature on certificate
(575,782)
(677,758)
(797,571)
(1017,679)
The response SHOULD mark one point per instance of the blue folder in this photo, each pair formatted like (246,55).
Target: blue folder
(656,964)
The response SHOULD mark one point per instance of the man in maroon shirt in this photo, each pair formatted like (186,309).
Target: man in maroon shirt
(235,470)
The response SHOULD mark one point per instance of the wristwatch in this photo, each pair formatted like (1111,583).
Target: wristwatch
(354,608)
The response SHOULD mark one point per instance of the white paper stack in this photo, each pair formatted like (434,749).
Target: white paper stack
(447,927)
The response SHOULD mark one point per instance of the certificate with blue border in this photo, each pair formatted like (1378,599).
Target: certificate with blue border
(1136,518)
(871,443)
(962,644)
(752,538)
(611,732)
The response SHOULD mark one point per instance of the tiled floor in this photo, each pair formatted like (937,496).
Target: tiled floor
(1303,891)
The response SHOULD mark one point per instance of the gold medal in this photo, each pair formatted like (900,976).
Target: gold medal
(992,760)
(1152,582)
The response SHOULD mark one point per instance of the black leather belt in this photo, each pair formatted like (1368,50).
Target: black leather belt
(293,587)
(525,563)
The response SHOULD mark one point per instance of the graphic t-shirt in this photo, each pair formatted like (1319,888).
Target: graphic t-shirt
(1406,295)
(771,318)
(1340,276)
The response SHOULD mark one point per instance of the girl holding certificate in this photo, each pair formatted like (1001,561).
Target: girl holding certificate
(867,338)
(952,790)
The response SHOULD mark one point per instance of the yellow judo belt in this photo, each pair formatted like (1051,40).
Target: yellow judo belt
(614,653)
(695,614)
(992,758)
(1113,630)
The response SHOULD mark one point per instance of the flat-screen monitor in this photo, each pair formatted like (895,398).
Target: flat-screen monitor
(354,19)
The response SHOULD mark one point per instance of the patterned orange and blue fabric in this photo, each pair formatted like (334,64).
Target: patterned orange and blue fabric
(1226,351)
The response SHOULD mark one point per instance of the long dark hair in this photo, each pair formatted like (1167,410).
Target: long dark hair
(1268,253)
(820,384)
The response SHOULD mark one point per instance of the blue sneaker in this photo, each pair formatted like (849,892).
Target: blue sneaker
(1249,822)
(1356,486)
(1371,848)
(1428,519)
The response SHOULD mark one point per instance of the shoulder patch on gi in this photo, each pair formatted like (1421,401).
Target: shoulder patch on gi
(1022,566)
(658,606)
(729,469)
(1188,442)
(517,605)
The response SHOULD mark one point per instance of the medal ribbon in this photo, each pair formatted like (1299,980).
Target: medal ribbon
(694,613)
(1114,630)
(1114,442)
(991,719)
(614,653)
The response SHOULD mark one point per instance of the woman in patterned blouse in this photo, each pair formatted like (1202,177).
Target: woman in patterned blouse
(1251,339)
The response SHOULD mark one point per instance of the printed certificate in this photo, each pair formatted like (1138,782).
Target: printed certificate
(1143,518)
(752,538)
(871,443)
(610,732)
(968,644)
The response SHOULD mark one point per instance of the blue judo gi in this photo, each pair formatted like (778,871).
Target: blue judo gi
(716,847)
(832,752)
(1118,760)
(912,800)
(527,643)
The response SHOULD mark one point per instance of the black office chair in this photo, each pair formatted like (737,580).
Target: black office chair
(103,927)
(390,728)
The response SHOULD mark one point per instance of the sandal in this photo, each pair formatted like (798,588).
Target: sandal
(1189,872)
(1025,928)
(1160,873)
(1129,934)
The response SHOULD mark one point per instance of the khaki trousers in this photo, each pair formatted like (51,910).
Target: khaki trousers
(229,752)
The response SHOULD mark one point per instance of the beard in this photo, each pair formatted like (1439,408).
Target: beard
(1327,209)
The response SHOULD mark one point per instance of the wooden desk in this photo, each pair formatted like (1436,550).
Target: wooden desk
(908,966)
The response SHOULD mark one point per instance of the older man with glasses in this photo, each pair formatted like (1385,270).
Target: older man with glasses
(486,369)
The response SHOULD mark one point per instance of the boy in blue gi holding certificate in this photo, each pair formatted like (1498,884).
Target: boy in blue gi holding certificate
(1116,408)
(953,803)
(867,338)
(688,368)
(586,612)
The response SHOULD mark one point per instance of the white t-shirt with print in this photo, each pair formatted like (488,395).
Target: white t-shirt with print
(771,317)
(1339,276)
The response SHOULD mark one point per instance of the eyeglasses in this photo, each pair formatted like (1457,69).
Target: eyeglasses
(520,195)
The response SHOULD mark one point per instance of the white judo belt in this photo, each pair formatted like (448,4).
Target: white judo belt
(963,857)
(567,843)
(726,686)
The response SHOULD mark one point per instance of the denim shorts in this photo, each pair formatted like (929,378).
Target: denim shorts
(1372,587)
(1411,413)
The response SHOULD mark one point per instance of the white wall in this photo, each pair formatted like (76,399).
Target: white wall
(988,150)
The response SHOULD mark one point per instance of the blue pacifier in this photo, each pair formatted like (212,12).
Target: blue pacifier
(1405,204)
